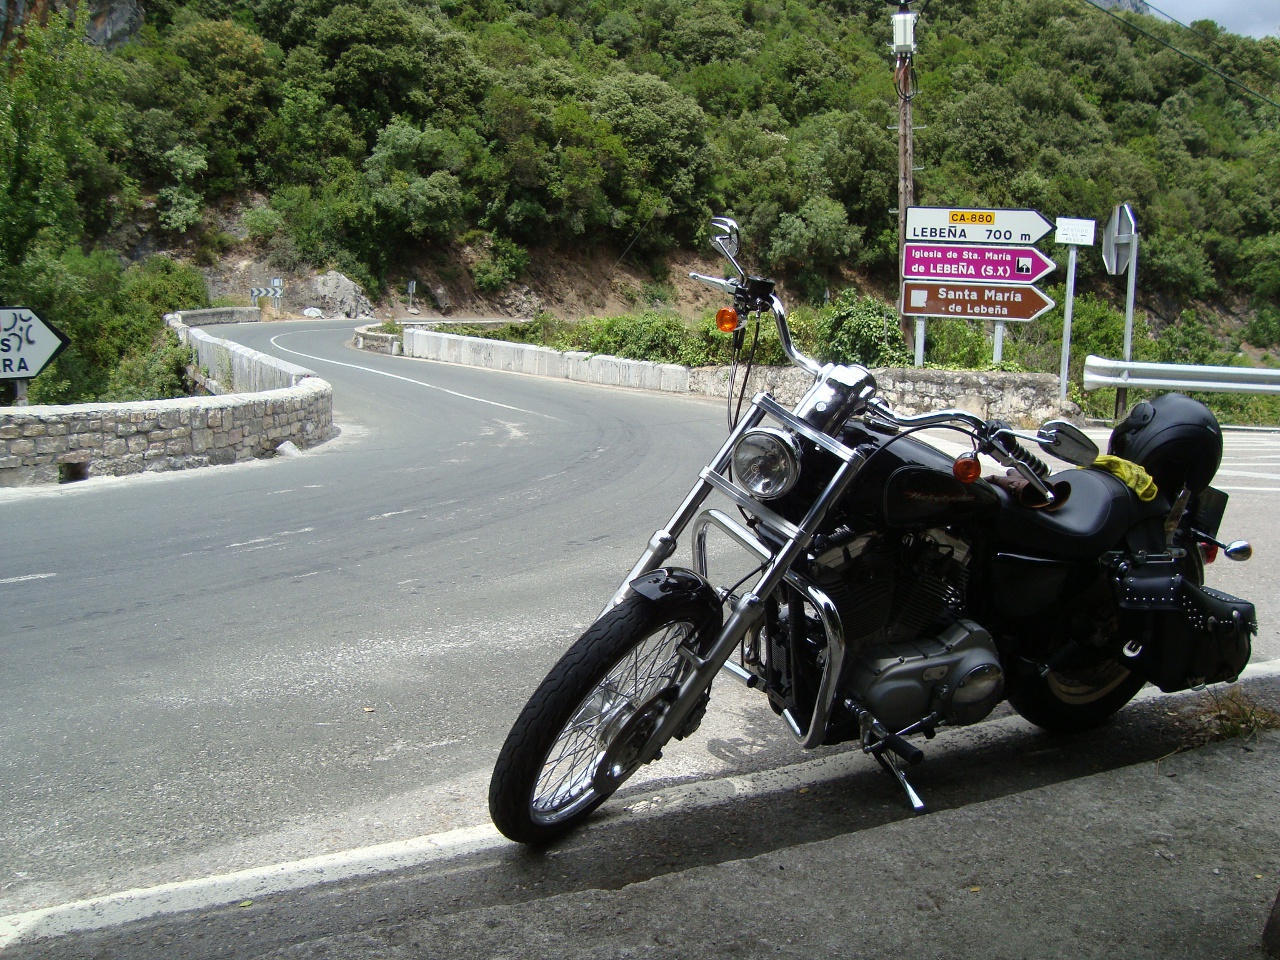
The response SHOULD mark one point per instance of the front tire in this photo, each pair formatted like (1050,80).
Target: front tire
(580,735)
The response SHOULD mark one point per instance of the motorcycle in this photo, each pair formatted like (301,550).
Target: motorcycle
(892,589)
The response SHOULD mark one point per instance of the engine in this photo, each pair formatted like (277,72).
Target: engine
(912,654)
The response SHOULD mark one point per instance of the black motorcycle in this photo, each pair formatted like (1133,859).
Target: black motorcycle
(891,588)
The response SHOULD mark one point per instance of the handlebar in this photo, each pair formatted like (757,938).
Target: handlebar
(752,294)
(724,285)
(1016,453)
(938,418)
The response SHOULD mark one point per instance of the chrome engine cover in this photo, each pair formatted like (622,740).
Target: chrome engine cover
(956,674)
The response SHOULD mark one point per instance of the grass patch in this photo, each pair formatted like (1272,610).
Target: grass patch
(1221,715)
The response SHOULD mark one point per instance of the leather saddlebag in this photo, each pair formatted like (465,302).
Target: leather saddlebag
(1197,636)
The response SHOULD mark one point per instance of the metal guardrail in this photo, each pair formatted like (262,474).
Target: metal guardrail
(1099,372)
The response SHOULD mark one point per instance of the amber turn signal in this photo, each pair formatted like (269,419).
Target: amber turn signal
(727,319)
(966,469)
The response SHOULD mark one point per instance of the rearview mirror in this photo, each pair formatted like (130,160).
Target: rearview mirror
(726,238)
(1067,442)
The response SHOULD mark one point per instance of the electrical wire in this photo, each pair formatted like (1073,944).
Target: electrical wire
(904,79)
(1208,39)
(1182,53)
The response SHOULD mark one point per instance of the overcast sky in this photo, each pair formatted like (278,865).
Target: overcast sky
(1252,18)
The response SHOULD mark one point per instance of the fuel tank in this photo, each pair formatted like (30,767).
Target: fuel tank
(908,484)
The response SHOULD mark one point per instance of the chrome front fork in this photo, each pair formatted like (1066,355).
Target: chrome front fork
(746,611)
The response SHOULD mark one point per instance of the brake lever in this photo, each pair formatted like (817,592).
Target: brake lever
(1030,467)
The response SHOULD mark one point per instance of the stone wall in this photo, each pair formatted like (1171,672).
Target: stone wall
(226,367)
(545,362)
(1024,399)
(216,315)
(48,444)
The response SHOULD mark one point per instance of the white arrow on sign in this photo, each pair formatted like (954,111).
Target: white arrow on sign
(256,292)
(27,343)
(964,225)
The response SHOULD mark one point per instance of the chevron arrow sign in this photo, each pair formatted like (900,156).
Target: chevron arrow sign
(256,292)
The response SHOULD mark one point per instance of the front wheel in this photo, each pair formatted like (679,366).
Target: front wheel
(582,732)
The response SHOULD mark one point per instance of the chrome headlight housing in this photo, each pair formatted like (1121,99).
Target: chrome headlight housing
(766,462)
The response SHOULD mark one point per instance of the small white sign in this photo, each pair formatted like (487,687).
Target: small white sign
(1077,233)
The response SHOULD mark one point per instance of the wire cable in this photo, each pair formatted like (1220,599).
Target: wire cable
(1208,39)
(1182,53)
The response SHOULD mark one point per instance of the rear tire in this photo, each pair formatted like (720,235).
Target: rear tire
(1081,698)
(578,738)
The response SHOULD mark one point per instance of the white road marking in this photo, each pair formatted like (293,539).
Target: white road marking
(117,909)
(396,376)
(30,576)
(1246,473)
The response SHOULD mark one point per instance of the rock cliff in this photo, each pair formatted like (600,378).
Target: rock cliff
(107,23)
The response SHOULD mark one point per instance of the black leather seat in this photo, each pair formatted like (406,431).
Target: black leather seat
(1095,517)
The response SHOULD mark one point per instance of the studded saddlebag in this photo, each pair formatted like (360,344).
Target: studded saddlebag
(1188,635)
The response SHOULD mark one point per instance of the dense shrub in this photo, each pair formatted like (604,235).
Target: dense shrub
(383,131)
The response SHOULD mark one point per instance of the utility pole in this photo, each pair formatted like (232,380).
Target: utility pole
(904,81)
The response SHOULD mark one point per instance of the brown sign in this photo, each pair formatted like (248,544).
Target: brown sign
(973,301)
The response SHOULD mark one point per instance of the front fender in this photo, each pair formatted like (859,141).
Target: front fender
(678,586)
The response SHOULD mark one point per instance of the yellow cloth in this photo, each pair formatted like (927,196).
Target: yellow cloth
(1133,475)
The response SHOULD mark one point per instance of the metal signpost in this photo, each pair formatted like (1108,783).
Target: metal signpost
(973,264)
(27,346)
(1074,233)
(413,286)
(1120,253)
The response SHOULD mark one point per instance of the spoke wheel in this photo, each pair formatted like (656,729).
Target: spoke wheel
(583,732)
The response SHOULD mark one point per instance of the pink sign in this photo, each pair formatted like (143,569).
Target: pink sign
(955,261)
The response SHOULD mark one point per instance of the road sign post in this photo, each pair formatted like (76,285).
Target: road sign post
(963,225)
(275,292)
(1120,253)
(967,300)
(1074,233)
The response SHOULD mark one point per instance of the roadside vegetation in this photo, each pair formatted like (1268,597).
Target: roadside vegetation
(374,134)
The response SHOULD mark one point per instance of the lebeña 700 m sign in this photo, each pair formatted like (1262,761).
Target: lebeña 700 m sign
(960,225)
(27,343)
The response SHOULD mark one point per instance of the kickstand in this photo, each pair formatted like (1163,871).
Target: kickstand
(917,805)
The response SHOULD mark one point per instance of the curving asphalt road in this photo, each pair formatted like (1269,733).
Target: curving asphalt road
(232,666)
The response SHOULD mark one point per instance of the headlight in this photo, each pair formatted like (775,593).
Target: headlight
(766,462)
